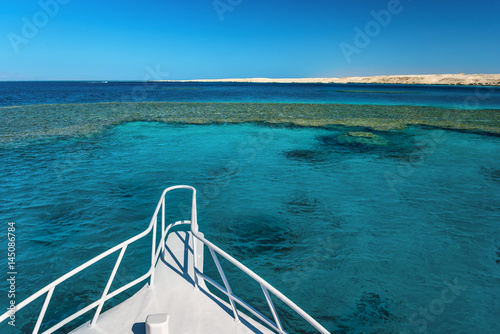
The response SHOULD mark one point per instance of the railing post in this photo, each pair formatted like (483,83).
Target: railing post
(195,262)
(271,306)
(162,225)
(108,286)
(194,214)
(153,258)
(226,284)
(44,309)
(194,230)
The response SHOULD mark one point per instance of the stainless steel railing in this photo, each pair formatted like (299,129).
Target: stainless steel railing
(156,251)
(98,304)
(266,288)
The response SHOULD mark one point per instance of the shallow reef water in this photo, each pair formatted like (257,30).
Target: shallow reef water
(373,232)
(45,121)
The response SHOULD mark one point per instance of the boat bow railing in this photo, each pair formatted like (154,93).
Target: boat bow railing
(266,288)
(156,250)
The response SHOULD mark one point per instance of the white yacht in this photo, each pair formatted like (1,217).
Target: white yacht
(176,298)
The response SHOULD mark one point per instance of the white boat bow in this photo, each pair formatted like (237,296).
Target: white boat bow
(176,299)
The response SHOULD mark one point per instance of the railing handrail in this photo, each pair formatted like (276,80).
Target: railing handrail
(263,283)
(48,289)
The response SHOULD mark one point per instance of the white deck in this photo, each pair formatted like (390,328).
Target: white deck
(190,310)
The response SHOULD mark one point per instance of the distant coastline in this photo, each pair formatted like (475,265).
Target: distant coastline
(425,79)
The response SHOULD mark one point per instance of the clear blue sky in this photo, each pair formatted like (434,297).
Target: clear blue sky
(194,39)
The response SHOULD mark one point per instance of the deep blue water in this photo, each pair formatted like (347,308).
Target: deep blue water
(461,97)
(396,238)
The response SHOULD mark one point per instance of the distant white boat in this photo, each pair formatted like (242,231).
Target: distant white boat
(176,298)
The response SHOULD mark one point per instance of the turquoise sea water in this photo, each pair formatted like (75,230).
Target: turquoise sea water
(402,237)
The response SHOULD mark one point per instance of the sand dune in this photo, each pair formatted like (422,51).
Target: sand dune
(427,79)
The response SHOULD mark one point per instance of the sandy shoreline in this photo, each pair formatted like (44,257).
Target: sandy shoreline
(428,79)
